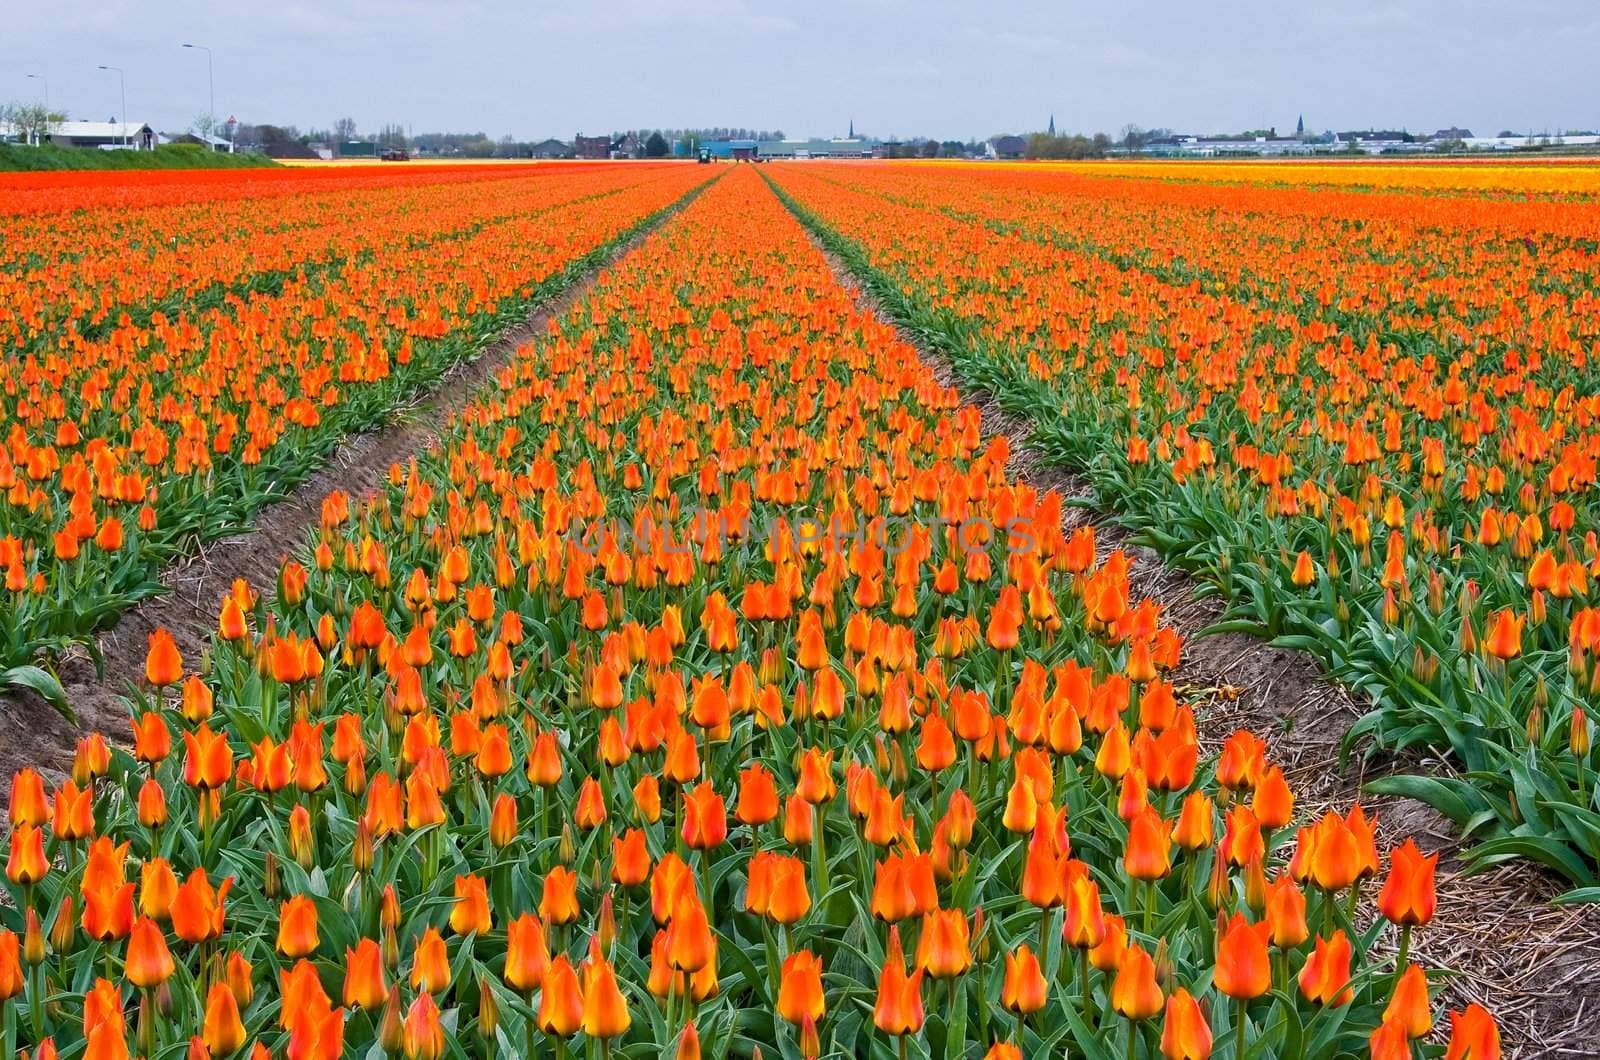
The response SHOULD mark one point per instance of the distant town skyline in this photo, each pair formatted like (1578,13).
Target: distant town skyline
(898,68)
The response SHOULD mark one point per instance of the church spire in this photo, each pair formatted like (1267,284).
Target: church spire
(852,128)
(1052,124)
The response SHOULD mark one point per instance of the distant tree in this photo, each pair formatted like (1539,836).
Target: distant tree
(952,149)
(393,136)
(930,149)
(203,125)
(656,146)
(1132,137)
(32,121)
(1043,145)
(345,129)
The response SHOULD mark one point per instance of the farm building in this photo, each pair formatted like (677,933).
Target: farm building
(551,149)
(738,150)
(103,134)
(852,147)
(591,147)
(1007,147)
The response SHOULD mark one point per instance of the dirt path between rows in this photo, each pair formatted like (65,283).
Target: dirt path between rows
(32,733)
(1534,965)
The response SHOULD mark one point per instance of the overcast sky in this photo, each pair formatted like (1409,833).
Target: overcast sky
(904,67)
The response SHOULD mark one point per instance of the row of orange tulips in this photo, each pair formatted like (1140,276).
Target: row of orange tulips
(711,689)
(150,408)
(1371,426)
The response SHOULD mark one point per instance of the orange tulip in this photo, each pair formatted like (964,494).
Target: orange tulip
(152,740)
(148,963)
(1147,854)
(1135,994)
(559,902)
(691,944)
(561,1007)
(366,985)
(1407,896)
(26,863)
(943,948)
(297,927)
(1185,1032)
(800,988)
(163,665)
(28,804)
(424,1034)
(107,898)
(1505,635)
(1243,969)
(430,963)
(469,914)
(1325,978)
(1023,990)
(705,818)
(1473,1035)
(527,956)
(605,1010)
(223,1031)
(1389,1041)
(630,858)
(758,796)
(208,761)
(198,909)
(1409,1005)
(898,1009)
(12,977)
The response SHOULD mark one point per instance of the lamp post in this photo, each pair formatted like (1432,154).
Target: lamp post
(122,85)
(34,136)
(211,84)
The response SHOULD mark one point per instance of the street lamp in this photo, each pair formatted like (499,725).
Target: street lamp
(34,135)
(122,84)
(211,84)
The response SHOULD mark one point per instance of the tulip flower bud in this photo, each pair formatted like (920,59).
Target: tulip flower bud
(1578,733)
(391,1025)
(390,917)
(488,1011)
(607,929)
(301,841)
(391,948)
(240,979)
(810,1043)
(271,884)
(1165,969)
(568,850)
(163,997)
(899,772)
(33,940)
(64,932)
(1535,728)
(361,849)
(983,946)
(1218,890)
(1255,885)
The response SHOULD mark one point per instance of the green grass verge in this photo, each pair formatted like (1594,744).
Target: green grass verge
(19,158)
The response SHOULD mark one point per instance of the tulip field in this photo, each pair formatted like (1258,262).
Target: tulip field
(716,685)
